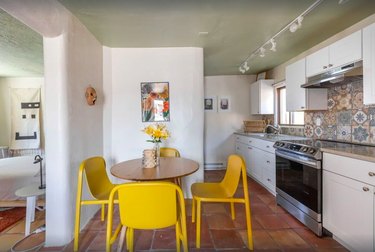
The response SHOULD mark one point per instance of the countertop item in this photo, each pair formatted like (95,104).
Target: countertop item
(269,137)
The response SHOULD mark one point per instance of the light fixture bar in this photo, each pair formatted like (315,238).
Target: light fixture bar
(260,50)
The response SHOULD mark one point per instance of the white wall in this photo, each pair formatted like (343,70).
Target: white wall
(74,131)
(5,85)
(219,126)
(124,70)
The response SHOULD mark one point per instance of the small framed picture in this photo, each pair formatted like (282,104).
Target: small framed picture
(261,76)
(224,104)
(210,104)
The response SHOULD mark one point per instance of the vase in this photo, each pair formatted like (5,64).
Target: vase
(157,153)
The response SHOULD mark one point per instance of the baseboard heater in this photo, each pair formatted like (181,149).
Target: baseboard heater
(214,166)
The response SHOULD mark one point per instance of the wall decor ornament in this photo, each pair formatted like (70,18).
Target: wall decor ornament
(210,104)
(155,101)
(91,96)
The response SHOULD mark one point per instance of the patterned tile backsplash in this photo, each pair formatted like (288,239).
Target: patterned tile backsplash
(346,119)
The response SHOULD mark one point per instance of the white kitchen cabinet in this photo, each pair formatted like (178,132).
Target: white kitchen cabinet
(261,97)
(369,65)
(259,156)
(344,51)
(348,201)
(298,98)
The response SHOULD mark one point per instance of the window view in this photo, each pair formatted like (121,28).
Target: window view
(289,118)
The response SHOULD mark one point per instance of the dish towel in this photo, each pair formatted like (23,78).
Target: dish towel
(25,125)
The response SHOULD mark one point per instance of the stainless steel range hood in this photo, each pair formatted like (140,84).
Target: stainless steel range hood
(336,76)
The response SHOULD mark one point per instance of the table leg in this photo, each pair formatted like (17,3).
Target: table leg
(30,213)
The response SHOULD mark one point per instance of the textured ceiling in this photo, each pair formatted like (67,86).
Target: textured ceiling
(235,29)
(21,49)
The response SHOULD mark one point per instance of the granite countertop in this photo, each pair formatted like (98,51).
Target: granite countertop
(270,137)
(366,153)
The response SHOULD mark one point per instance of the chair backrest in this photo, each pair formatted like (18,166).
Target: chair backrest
(149,205)
(96,176)
(169,152)
(232,175)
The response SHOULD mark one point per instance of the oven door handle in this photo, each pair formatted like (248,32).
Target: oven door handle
(313,164)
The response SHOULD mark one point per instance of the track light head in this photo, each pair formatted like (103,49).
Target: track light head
(273,45)
(241,69)
(246,66)
(262,52)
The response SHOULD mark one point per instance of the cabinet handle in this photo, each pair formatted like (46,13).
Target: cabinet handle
(330,65)
(371,174)
(268,180)
(249,148)
(366,189)
(324,67)
(238,148)
(250,141)
(268,162)
(267,146)
(302,107)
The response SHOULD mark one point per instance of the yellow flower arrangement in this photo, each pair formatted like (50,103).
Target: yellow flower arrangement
(157,132)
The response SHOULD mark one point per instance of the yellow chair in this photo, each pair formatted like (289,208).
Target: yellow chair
(99,186)
(147,205)
(223,192)
(171,152)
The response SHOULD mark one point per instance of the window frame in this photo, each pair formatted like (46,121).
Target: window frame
(278,87)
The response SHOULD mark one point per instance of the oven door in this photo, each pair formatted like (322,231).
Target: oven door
(299,180)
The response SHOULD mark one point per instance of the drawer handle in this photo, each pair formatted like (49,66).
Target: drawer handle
(366,189)
(238,148)
(371,174)
(250,141)
(302,107)
(330,65)
(267,146)
(249,148)
(269,180)
(268,162)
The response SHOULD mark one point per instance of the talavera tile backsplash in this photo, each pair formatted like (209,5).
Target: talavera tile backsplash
(346,119)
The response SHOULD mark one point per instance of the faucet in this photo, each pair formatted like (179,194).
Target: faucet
(276,128)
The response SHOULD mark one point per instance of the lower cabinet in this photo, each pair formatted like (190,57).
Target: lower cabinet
(348,203)
(259,156)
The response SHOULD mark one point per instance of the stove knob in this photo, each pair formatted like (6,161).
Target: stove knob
(277,144)
(311,151)
(303,149)
(281,144)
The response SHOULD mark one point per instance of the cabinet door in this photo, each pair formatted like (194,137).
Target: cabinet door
(348,211)
(269,171)
(346,50)
(241,149)
(294,78)
(369,65)
(317,62)
(255,163)
(254,98)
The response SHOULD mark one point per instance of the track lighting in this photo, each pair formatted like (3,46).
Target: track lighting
(293,26)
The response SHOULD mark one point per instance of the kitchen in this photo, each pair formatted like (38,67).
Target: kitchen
(141,64)
(324,176)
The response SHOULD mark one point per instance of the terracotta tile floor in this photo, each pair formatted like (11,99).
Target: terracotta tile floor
(273,229)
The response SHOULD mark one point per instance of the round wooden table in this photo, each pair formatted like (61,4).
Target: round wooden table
(169,168)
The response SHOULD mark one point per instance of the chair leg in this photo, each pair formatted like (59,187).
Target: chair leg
(233,212)
(77,226)
(198,229)
(121,240)
(178,237)
(193,211)
(103,212)
(130,239)
(249,228)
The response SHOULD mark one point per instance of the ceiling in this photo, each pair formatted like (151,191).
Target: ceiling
(21,49)
(235,28)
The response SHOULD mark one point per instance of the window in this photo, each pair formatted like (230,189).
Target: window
(284,117)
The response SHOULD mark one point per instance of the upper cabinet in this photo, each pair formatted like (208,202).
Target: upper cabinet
(298,98)
(344,51)
(369,65)
(261,95)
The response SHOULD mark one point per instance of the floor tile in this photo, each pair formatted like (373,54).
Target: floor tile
(288,239)
(227,239)
(262,240)
(164,239)
(219,221)
(315,241)
(271,221)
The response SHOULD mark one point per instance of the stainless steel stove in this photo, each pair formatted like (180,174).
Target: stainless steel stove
(299,180)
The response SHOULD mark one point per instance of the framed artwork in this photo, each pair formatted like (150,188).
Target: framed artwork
(261,76)
(224,104)
(210,104)
(155,101)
